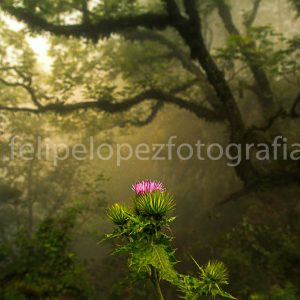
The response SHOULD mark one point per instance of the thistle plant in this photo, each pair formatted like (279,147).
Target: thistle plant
(144,232)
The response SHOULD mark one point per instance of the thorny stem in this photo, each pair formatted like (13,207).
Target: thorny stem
(155,281)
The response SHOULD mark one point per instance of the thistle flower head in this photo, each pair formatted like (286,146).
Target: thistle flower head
(118,214)
(156,204)
(213,274)
(147,186)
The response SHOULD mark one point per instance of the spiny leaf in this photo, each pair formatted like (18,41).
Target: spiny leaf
(156,255)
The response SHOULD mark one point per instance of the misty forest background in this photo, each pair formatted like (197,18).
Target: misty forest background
(140,71)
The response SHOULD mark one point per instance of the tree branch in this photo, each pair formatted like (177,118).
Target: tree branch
(192,11)
(225,15)
(178,53)
(102,28)
(174,11)
(278,179)
(270,122)
(107,105)
(190,30)
(251,15)
(27,87)
(173,47)
(295,105)
(261,78)
(139,123)
(106,26)
(281,113)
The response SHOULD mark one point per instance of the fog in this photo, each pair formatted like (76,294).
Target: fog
(125,95)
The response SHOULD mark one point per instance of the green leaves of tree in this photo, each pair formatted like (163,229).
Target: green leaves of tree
(260,47)
(296,5)
(43,265)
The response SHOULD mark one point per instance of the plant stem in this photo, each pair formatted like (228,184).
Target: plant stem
(155,282)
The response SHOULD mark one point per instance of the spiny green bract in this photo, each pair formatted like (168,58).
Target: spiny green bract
(212,277)
(156,204)
(214,272)
(118,214)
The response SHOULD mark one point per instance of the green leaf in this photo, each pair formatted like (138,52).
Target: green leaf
(145,255)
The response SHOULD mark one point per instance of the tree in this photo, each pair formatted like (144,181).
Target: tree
(33,186)
(206,76)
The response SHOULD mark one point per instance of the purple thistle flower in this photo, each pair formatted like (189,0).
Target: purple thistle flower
(147,186)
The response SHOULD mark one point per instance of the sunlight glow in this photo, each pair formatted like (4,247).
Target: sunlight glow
(39,44)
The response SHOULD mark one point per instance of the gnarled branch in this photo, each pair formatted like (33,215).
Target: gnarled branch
(107,105)
(102,28)
(139,123)
(26,85)
(178,53)
(190,31)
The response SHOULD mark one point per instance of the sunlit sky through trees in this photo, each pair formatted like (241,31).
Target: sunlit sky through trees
(38,43)
(280,8)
